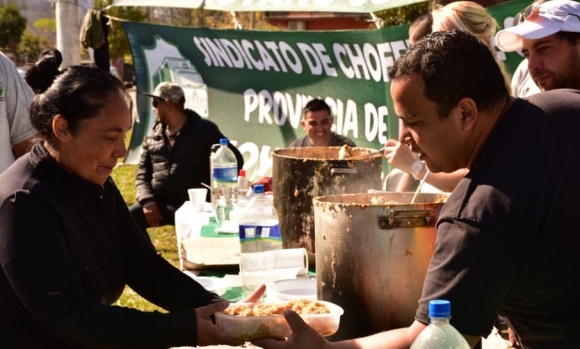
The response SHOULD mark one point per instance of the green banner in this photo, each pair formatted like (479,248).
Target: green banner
(253,84)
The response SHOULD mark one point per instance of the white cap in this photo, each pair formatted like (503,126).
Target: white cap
(551,17)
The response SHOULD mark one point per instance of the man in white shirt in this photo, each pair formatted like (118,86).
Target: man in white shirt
(16,132)
(549,36)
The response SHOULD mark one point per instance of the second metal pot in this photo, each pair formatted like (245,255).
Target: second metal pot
(372,254)
(300,174)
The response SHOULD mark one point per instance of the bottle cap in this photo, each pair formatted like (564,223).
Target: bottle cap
(223,141)
(242,173)
(258,188)
(439,309)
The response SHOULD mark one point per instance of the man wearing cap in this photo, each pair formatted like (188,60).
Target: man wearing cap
(549,37)
(175,157)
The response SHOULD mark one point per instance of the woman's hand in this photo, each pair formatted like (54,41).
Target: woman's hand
(256,295)
(209,333)
(399,155)
(303,336)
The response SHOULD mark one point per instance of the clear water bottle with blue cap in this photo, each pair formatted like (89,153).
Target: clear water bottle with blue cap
(259,226)
(440,334)
(224,180)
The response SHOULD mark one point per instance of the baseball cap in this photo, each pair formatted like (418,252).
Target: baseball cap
(168,91)
(540,21)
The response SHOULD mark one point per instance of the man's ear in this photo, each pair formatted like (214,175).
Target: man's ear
(469,113)
(303,123)
(60,129)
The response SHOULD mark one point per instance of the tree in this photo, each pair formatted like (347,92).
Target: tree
(404,14)
(31,46)
(12,25)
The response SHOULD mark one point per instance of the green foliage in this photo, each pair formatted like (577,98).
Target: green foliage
(12,25)
(32,45)
(164,238)
(46,25)
(403,15)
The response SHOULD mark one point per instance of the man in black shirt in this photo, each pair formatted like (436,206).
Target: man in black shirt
(506,243)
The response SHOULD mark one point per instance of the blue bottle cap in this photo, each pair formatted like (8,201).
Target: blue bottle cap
(258,188)
(439,308)
(223,141)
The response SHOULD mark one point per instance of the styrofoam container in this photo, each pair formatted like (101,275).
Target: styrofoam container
(275,326)
(291,289)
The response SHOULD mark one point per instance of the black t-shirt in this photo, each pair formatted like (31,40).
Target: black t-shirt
(507,238)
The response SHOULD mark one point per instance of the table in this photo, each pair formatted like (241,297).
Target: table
(200,245)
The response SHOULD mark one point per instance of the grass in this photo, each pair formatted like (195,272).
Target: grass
(163,238)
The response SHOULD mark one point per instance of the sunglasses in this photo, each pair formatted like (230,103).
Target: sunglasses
(533,12)
(156,102)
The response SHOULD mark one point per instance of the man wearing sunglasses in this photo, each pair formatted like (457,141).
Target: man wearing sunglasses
(548,35)
(175,157)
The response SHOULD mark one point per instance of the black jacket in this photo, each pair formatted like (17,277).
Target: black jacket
(165,173)
(68,249)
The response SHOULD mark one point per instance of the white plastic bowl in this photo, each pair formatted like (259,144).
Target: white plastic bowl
(275,326)
(287,290)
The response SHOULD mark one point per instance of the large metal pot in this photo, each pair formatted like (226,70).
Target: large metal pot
(300,174)
(372,254)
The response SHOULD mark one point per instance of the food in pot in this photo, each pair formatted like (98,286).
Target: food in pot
(382,200)
(253,321)
(386,200)
(344,152)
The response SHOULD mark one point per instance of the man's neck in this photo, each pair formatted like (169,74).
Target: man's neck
(176,122)
(491,120)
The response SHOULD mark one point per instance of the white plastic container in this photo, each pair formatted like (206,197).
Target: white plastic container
(275,326)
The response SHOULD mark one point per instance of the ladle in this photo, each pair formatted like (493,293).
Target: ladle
(367,155)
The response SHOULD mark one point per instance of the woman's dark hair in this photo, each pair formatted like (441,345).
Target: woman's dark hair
(76,93)
(453,65)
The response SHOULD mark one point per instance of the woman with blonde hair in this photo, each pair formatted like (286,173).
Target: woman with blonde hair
(470,17)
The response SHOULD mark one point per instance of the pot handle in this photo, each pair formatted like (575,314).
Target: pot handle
(404,219)
(343,171)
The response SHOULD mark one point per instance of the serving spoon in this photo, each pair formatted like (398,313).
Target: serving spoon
(367,155)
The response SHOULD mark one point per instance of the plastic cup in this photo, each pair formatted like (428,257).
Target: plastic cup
(197,198)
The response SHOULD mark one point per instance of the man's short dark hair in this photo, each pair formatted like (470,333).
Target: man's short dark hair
(453,65)
(315,105)
(571,37)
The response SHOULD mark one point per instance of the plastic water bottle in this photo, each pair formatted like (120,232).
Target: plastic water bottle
(259,226)
(242,193)
(224,177)
(440,334)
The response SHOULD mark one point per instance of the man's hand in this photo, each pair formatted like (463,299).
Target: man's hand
(209,333)
(152,214)
(303,336)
